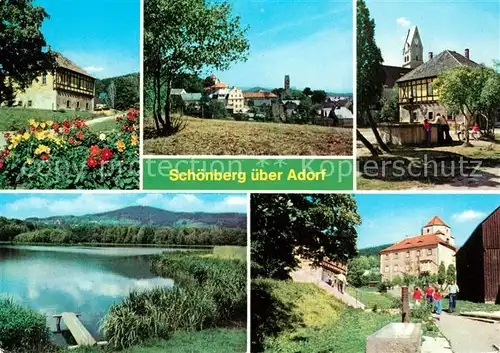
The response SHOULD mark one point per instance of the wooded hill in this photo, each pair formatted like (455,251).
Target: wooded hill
(126,91)
(150,216)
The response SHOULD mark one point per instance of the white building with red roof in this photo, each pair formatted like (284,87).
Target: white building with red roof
(421,254)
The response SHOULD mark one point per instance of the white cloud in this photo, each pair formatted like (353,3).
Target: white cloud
(93,69)
(403,22)
(469,215)
(83,204)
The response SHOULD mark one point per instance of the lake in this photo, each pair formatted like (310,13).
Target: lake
(87,280)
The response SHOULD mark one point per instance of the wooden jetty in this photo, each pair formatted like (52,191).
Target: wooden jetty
(81,335)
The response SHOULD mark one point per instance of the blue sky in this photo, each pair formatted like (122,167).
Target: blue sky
(101,36)
(44,205)
(309,40)
(443,24)
(389,218)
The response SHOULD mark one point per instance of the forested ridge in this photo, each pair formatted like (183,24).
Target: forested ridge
(28,232)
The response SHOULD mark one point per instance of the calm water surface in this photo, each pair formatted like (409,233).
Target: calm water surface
(75,279)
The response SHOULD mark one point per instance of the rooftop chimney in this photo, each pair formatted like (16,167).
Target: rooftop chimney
(431,55)
(467,53)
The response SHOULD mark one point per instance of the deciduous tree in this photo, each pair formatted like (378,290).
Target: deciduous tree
(286,226)
(187,36)
(451,274)
(22,58)
(474,91)
(370,73)
(441,276)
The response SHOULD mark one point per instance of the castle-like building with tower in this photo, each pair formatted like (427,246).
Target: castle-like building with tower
(418,99)
(421,254)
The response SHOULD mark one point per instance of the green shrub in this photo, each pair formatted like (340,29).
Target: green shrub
(22,329)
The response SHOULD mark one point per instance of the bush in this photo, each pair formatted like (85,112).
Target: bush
(22,329)
(67,155)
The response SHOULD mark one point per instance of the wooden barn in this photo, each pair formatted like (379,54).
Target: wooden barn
(478,262)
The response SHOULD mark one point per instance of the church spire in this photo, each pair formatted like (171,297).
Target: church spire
(413,50)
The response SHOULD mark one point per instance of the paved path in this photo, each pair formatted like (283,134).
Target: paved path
(344,297)
(435,345)
(469,336)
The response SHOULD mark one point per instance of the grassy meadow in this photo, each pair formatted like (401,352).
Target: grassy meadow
(12,119)
(301,317)
(230,137)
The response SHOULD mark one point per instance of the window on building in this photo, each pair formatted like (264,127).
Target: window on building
(396,268)
(395,255)
(30,104)
(407,254)
(430,91)
(387,256)
(418,253)
(416,58)
(67,104)
(431,115)
(44,78)
(429,251)
(414,116)
(386,269)
(87,106)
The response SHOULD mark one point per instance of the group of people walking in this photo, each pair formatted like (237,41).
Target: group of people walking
(340,282)
(433,296)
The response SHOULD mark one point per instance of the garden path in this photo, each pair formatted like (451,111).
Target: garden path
(469,336)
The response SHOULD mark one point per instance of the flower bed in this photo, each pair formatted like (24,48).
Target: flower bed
(67,155)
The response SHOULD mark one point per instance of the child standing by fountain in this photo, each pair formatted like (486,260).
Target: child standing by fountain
(427,131)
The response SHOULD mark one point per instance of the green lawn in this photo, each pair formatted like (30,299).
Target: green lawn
(318,322)
(105,126)
(373,299)
(15,118)
(208,341)
(463,305)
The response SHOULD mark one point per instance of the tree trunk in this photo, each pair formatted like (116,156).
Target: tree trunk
(367,144)
(373,125)
(167,128)
(467,127)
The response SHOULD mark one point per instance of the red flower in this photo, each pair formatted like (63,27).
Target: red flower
(94,150)
(124,127)
(91,162)
(66,130)
(72,140)
(80,135)
(131,116)
(66,124)
(55,126)
(77,123)
(4,154)
(131,129)
(118,118)
(44,156)
(83,124)
(6,135)
(107,154)
(1,164)
(32,129)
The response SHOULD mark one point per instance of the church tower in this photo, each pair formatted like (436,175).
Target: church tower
(438,227)
(413,51)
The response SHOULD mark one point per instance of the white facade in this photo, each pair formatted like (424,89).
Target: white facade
(413,51)
(235,100)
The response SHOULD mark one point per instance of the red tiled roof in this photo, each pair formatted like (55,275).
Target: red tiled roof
(420,241)
(263,95)
(436,221)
